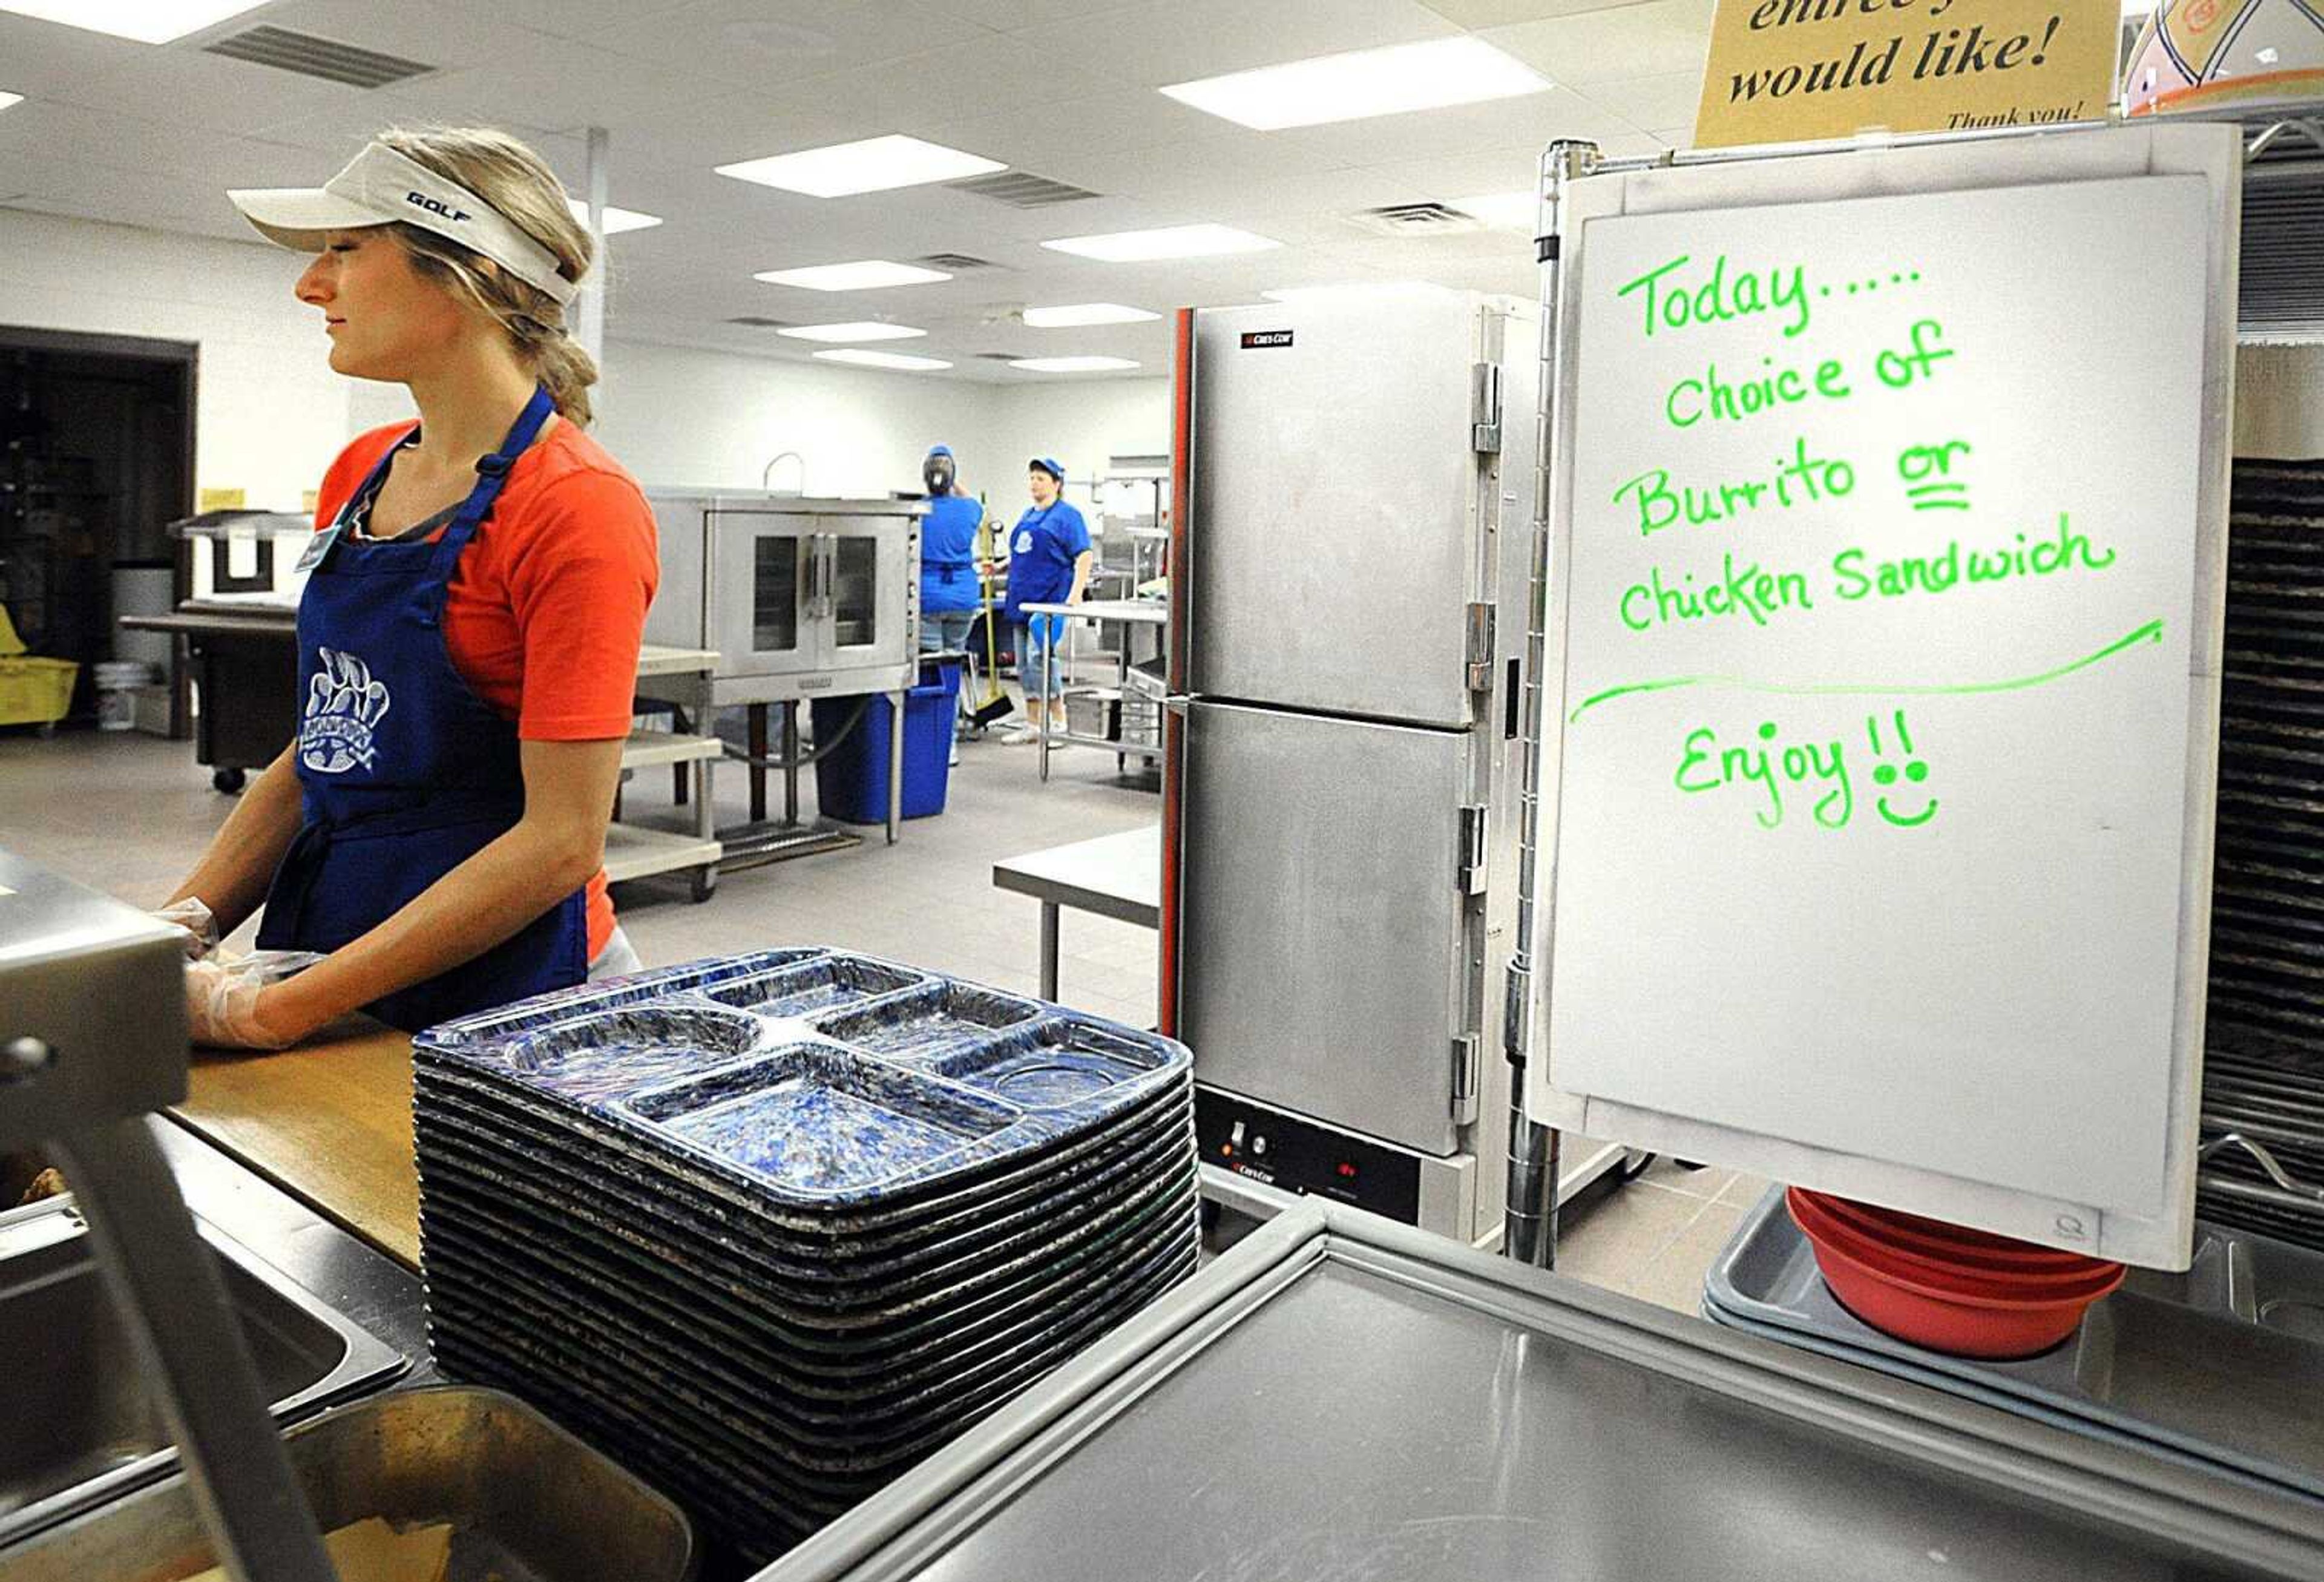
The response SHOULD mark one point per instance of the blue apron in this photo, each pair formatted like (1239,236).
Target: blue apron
(407,772)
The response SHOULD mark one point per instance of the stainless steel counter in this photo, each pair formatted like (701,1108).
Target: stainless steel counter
(1340,1396)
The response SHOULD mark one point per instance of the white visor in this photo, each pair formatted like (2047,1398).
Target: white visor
(379,187)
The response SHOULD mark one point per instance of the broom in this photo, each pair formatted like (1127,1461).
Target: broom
(996,704)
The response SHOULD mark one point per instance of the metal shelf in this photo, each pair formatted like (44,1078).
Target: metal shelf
(632,852)
(645,748)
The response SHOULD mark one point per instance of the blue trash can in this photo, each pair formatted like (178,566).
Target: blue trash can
(850,780)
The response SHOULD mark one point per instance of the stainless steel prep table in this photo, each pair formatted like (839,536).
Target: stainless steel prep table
(1342,1397)
(1113,876)
(1131,614)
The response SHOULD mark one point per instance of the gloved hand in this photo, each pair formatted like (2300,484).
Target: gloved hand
(194,918)
(225,1002)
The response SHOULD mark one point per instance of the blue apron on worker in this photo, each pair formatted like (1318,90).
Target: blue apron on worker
(948,583)
(407,772)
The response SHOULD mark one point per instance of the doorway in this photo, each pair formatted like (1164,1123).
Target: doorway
(96,459)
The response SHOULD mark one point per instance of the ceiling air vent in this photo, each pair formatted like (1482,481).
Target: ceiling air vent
(1001,356)
(954,263)
(1021,190)
(309,55)
(755,322)
(1414,219)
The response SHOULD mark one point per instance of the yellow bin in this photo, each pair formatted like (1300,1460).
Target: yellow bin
(33,692)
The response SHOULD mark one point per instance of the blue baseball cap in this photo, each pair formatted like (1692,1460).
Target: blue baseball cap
(942,450)
(1049,464)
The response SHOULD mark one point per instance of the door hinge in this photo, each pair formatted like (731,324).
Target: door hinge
(1485,409)
(1479,653)
(1468,1049)
(1472,876)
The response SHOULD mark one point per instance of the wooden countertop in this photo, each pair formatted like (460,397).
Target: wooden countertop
(330,1122)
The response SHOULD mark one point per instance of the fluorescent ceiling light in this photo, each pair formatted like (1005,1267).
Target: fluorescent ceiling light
(865,274)
(1171,242)
(1463,70)
(876,164)
(1508,211)
(862,330)
(617,220)
(148,22)
(1072,365)
(7,99)
(1085,313)
(883,360)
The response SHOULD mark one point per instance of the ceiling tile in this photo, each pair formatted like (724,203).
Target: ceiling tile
(40,57)
(1486,14)
(202,92)
(750,43)
(1178,40)
(1020,14)
(571,18)
(1658,38)
(1668,100)
(1536,119)
(1104,123)
(555,84)
(428,31)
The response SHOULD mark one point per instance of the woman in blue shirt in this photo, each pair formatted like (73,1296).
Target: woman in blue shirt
(1049,562)
(948,585)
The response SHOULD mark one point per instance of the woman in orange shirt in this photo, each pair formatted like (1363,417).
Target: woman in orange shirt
(468,635)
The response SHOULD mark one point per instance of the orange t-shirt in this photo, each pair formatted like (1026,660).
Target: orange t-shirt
(547,607)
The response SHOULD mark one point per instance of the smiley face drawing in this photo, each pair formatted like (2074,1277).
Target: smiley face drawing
(1885,775)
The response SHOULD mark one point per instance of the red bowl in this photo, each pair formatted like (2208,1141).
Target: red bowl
(1960,1324)
(1934,1280)
(1935,1238)
(1963,1272)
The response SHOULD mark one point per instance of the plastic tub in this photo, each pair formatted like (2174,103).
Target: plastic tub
(117,682)
(851,779)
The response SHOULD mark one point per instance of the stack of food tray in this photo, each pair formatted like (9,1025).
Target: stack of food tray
(770,1229)
(2264,1055)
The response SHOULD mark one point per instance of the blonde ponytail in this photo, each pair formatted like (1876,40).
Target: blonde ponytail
(519,184)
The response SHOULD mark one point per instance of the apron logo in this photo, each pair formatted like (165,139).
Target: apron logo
(1024,544)
(343,704)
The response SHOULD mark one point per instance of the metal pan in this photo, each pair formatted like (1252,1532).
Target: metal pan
(528,1501)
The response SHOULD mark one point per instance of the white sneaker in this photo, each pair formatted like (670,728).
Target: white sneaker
(1020,735)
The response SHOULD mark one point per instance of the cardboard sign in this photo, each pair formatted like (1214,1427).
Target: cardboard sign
(1790,70)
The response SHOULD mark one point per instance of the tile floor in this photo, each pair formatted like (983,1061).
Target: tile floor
(128,813)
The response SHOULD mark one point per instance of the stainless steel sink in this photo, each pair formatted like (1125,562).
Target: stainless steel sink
(78,1426)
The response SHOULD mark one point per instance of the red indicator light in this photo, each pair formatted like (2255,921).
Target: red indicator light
(1347,1172)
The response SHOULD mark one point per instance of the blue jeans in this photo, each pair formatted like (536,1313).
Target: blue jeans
(1038,641)
(945,631)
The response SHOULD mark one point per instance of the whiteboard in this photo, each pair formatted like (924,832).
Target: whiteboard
(1885,620)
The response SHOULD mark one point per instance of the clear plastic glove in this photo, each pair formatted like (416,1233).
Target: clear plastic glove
(226,998)
(195,919)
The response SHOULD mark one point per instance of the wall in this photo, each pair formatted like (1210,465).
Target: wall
(270,414)
(1082,424)
(679,416)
